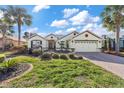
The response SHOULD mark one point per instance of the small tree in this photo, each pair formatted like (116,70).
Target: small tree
(61,45)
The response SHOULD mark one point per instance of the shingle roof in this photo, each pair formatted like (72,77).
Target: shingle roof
(13,38)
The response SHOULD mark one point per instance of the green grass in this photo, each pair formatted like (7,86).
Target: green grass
(7,52)
(2,55)
(66,73)
(26,59)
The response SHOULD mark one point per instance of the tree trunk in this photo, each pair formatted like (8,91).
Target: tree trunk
(19,33)
(117,39)
(3,43)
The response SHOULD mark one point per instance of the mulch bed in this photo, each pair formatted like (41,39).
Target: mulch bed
(14,71)
(114,53)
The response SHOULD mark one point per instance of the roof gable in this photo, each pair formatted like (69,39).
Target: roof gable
(69,34)
(51,35)
(38,36)
(89,33)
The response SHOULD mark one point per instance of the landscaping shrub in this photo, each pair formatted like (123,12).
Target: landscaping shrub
(7,66)
(55,56)
(79,57)
(2,58)
(72,49)
(36,52)
(9,63)
(63,57)
(72,56)
(20,49)
(46,56)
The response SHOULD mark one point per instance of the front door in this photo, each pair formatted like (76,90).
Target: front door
(51,44)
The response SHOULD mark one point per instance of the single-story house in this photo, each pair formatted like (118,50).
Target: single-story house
(80,42)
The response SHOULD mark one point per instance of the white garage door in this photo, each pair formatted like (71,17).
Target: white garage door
(86,46)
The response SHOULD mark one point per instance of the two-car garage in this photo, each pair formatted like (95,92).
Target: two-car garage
(86,46)
(86,42)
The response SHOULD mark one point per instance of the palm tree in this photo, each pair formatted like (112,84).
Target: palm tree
(26,36)
(113,20)
(6,28)
(20,17)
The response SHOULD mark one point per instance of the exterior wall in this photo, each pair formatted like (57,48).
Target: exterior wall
(89,43)
(66,39)
(51,37)
(44,42)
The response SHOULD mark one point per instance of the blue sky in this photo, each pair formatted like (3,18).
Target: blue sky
(62,19)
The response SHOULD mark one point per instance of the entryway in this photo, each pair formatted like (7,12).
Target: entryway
(51,44)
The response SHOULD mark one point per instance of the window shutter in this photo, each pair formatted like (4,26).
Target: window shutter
(31,44)
(40,42)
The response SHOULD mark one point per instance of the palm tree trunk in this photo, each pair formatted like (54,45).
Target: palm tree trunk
(19,33)
(3,43)
(117,39)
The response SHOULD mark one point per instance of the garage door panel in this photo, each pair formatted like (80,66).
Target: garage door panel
(86,46)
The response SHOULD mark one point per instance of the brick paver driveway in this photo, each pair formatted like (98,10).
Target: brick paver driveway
(114,64)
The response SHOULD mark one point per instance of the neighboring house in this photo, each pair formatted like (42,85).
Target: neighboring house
(83,42)
(10,40)
(112,41)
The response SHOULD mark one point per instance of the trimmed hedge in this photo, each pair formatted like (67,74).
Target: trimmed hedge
(46,56)
(36,52)
(55,56)
(79,57)
(72,56)
(63,57)
(2,58)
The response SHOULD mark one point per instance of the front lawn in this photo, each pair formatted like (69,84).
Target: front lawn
(8,52)
(66,73)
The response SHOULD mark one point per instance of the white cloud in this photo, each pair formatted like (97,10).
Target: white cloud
(83,18)
(59,23)
(35,30)
(69,12)
(59,32)
(1,14)
(97,29)
(71,30)
(42,34)
(38,8)
(32,30)
(78,27)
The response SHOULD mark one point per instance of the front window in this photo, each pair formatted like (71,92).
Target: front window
(36,43)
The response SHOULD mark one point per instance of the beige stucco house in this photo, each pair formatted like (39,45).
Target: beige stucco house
(80,42)
(11,40)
